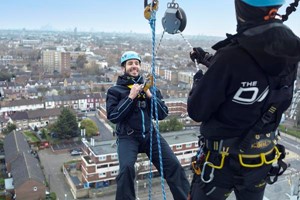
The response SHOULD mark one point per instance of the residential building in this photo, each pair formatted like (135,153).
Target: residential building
(77,102)
(7,107)
(59,61)
(28,178)
(100,164)
(35,118)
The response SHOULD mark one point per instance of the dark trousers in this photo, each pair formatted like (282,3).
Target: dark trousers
(247,183)
(128,148)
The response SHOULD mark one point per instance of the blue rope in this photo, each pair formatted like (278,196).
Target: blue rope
(154,102)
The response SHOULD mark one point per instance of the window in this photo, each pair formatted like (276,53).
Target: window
(102,158)
(114,157)
(101,175)
(178,146)
(113,173)
(188,145)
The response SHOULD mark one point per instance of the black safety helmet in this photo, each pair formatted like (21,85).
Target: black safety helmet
(250,12)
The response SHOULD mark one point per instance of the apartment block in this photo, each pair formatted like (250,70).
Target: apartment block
(100,166)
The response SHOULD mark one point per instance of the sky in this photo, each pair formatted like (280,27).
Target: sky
(204,17)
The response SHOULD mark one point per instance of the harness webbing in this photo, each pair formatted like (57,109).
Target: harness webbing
(154,104)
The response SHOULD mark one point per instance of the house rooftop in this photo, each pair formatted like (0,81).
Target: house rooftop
(110,147)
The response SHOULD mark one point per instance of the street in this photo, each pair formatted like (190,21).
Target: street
(105,134)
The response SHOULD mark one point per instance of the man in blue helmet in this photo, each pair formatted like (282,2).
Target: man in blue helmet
(239,102)
(128,105)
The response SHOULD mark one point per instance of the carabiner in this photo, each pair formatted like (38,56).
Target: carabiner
(211,175)
(148,8)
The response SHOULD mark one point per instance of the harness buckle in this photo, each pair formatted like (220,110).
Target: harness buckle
(141,104)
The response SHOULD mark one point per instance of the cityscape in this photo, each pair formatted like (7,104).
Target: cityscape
(44,72)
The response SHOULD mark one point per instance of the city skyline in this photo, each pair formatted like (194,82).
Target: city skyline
(203,17)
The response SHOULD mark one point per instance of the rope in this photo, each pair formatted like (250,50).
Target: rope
(291,8)
(154,102)
(157,47)
(189,44)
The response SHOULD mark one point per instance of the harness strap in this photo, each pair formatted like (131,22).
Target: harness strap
(280,168)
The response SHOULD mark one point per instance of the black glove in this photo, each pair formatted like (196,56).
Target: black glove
(198,75)
(200,56)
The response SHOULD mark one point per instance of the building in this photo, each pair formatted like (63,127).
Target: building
(100,164)
(35,118)
(59,61)
(7,107)
(28,178)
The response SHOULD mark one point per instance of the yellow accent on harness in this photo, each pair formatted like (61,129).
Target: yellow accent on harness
(196,169)
(262,156)
(148,82)
(223,155)
(149,8)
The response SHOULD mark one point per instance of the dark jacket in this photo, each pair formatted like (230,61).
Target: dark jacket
(235,91)
(131,115)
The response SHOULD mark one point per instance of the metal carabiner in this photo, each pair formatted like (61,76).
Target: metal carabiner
(148,8)
(211,175)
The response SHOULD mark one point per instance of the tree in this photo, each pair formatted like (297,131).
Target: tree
(171,125)
(80,61)
(66,124)
(90,126)
(10,127)
(5,76)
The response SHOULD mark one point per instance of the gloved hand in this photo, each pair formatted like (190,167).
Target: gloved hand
(200,56)
(198,75)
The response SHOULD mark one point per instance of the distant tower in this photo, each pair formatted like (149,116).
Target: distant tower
(75,32)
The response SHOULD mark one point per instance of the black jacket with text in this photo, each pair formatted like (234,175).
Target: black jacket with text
(235,91)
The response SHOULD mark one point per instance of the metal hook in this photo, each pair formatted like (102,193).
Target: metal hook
(211,175)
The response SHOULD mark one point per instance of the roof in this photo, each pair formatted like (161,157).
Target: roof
(25,168)
(9,183)
(35,114)
(14,144)
(179,137)
(21,102)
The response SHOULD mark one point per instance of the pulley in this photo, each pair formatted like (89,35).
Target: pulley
(174,20)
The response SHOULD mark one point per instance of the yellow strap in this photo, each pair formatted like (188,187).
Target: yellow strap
(246,156)
(223,155)
(262,157)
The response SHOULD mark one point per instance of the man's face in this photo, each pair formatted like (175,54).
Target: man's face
(132,67)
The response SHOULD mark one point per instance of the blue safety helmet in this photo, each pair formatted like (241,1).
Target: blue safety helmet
(128,55)
(263,3)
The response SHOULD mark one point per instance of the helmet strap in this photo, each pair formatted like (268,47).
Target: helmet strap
(271,15)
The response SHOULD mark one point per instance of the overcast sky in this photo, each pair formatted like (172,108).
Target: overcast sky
(204,17)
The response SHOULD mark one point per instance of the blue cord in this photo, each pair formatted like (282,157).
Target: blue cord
(154,102)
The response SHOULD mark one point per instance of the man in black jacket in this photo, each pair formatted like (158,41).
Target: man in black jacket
(239,102)
(128,105)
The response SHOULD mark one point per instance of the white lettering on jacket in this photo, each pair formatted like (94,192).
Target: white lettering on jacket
(248,93)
